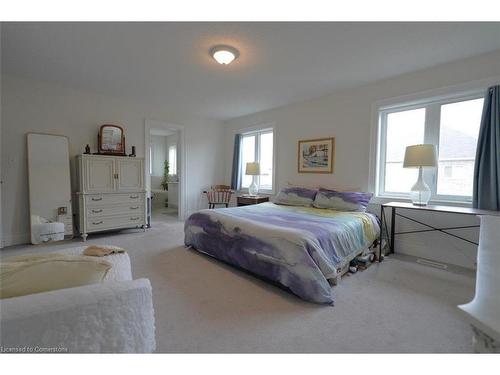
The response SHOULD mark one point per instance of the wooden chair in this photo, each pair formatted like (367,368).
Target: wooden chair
(219,195)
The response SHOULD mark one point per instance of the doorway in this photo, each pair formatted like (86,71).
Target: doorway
(164,171)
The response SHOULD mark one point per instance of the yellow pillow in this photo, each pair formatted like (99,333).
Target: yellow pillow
(29,274)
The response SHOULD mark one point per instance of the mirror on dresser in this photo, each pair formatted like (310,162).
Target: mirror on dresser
(51,215)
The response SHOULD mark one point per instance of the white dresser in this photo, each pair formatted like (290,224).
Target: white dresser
(111,193)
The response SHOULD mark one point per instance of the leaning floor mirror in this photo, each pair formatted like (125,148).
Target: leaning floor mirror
(49,187)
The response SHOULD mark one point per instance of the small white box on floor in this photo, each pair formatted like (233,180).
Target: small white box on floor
(45,232)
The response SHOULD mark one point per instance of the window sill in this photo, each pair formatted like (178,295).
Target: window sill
(387,198)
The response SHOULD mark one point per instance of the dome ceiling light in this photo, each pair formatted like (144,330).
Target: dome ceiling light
(224,55)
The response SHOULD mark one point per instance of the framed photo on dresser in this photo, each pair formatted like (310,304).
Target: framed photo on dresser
(316,155)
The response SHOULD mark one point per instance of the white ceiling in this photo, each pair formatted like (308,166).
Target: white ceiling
(168,64)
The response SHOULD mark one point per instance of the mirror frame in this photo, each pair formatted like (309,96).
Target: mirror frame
(118,151)
(69,207)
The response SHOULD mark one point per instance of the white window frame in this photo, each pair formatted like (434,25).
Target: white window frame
(256,131)
(431,135)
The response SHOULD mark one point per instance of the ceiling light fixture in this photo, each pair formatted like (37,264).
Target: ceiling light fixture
(224,55)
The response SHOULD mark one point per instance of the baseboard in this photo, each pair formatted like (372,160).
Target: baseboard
(15,239)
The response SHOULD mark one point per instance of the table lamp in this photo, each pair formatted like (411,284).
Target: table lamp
(420,156)
(253,169)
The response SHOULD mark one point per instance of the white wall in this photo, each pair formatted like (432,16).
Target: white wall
(34,106)
(346,115)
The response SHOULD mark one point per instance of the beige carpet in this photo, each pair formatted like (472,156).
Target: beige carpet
(202,305)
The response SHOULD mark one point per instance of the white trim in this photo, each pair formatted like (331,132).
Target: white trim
(258,131)
(181,168)
(462,89)
(255,128)
(465,91)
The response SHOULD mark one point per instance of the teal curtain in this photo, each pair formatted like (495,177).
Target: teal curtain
(235,175)
(487,168)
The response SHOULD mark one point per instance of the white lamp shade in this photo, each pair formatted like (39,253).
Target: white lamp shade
(253,169)
(420,156)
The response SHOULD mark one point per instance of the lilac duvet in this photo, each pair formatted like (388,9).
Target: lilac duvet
(297,247)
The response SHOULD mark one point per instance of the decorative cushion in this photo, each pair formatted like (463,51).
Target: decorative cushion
(337,188)
(323,186)
(311,187)
(295,196)
(31,274)
(342,200)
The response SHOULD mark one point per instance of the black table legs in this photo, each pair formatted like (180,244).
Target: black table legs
(393,228)
(383,227)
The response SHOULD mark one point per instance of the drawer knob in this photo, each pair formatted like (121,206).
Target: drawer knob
(134,207)
(97,211)
(97,222)
(134,218)
(134,196)
(97,199)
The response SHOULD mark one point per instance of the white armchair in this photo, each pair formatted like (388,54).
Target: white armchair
(115,316)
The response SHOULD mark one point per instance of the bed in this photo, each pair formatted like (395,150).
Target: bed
(300,248)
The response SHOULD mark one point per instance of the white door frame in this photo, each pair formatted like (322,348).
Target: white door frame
(155,124)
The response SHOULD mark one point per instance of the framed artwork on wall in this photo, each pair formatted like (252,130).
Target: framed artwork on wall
(316,155)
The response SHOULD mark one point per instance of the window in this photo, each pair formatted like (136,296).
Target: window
(458,135)
(403,129)
(452,124)
(257,146)
(172,160)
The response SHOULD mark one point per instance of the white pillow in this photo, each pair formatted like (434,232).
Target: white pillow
(323,186)
(342,200)
(295,196)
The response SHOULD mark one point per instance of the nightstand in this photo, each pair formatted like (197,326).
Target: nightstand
(247,200)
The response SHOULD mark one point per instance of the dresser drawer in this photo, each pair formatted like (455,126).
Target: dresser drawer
(111,222)
(93,200)
(136,208)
